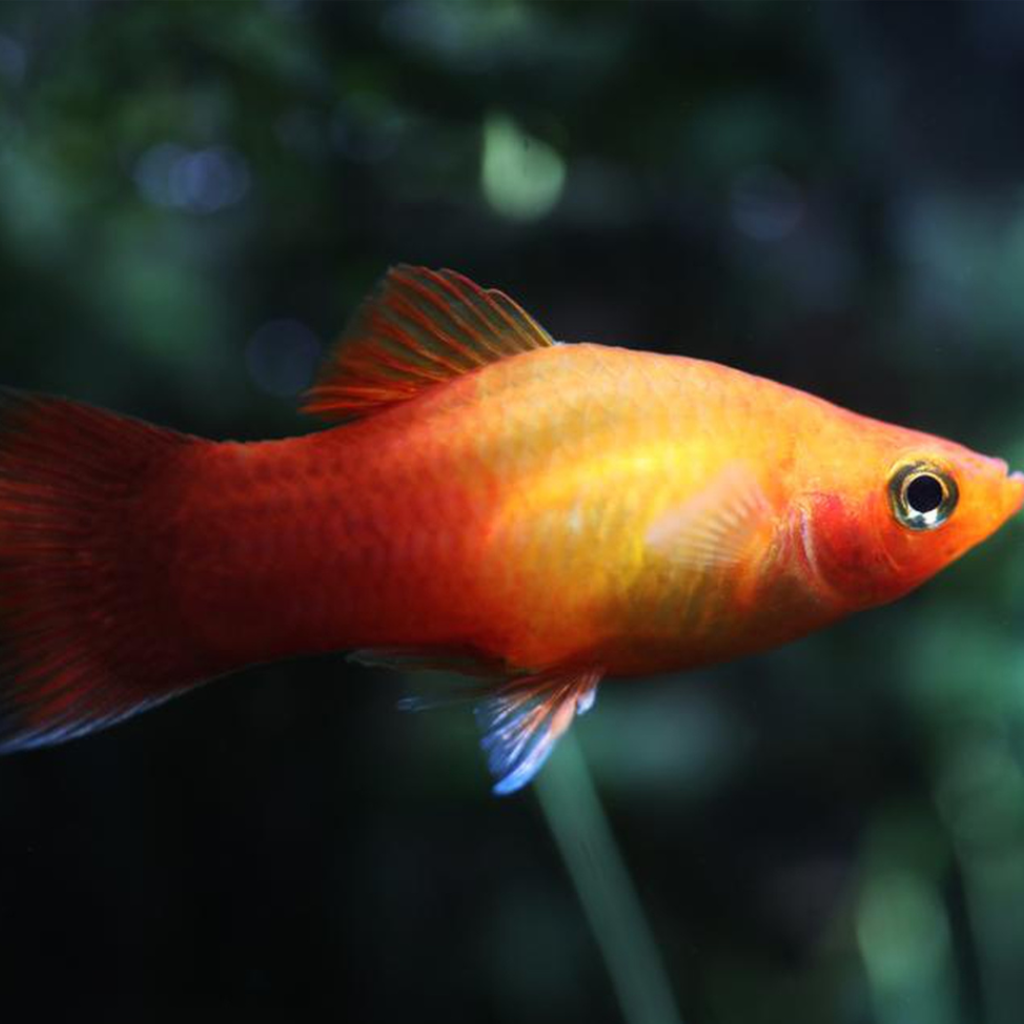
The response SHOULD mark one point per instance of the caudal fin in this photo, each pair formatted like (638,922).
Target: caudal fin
(83,637)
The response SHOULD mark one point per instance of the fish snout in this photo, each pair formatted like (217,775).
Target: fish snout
(1003,490)
(1013,488)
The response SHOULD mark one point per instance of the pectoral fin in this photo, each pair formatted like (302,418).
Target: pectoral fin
(715,526)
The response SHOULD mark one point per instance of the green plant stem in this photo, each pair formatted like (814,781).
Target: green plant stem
(584,838)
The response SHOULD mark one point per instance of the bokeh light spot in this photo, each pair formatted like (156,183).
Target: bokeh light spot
(367,127)
(980,793)
(766,205)
(522,177)
(13,59)
(902,930)
(198,181)
(282,357)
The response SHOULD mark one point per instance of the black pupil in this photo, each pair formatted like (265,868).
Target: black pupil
(924,494)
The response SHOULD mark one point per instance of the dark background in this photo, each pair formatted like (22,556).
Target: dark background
(192,199)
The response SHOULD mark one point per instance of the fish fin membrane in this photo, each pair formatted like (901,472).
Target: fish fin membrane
(522,723)
(419,328)
(716,526)
(464,661)
(484,669)
(82,643)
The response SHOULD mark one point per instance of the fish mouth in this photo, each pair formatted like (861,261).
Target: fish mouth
(1016,480)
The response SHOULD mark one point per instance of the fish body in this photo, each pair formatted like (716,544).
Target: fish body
(556,508)
(534,514)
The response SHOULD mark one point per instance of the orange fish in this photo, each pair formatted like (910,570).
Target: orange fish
(535,514)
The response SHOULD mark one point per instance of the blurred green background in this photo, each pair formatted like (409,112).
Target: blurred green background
(193,197)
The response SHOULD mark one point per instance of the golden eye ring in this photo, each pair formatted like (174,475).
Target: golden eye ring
(922,496)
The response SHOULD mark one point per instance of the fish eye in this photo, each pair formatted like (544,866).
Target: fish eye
(922,496)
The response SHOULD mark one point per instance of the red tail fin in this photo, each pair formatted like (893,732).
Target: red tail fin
(82,640)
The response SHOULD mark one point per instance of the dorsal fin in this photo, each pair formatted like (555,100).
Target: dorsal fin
(419,328)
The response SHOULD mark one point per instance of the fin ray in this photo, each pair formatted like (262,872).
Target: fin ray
(464,661)
(715,526)
(420,328)
(522,723)
(80,644)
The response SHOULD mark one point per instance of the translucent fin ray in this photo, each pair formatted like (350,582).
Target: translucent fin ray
(463,660)
(82,642)
(421,327)
(522,723)
(715,526)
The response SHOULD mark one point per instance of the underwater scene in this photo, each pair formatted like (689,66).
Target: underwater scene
(541,423)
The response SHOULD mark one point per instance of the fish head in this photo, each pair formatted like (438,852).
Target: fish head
(898,507)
